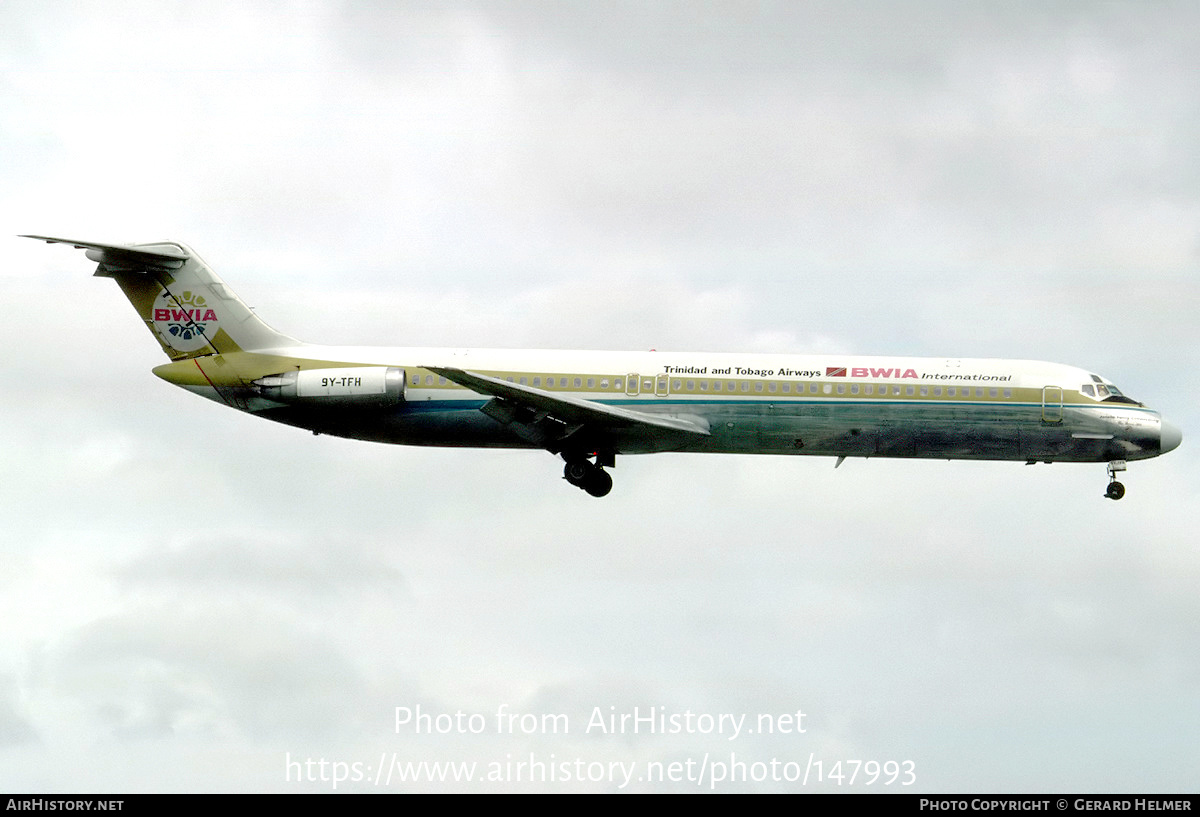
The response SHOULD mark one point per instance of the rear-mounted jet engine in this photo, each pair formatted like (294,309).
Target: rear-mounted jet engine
(364,386)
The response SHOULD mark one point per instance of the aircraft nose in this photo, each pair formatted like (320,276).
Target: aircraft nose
(1169,437)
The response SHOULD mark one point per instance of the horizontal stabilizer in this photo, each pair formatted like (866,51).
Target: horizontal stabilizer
(123,255)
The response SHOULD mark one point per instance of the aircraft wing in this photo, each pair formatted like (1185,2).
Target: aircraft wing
(557,421)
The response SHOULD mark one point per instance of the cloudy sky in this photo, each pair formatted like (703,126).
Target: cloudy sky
(196,600)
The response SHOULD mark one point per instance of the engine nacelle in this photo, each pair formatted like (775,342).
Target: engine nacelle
(360,386)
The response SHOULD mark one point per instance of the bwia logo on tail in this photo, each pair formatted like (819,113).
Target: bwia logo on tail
(185,321)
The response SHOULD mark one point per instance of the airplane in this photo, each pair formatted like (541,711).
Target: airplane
(589,406)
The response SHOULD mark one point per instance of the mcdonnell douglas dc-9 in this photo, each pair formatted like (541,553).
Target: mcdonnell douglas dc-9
(588,407)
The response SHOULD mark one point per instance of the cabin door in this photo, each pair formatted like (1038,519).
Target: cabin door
(1052,404)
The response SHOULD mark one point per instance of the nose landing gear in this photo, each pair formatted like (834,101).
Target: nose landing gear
(1115,489)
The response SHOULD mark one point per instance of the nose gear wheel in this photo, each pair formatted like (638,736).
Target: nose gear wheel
(1115,489)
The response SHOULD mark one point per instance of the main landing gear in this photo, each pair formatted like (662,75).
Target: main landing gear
(1115,489)
(590,476)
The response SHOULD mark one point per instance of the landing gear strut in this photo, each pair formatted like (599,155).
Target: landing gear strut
(589,476)
(1115,489)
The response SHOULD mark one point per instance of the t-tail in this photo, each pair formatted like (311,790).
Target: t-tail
(190,311)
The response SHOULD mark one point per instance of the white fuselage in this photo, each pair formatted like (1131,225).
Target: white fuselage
(831,405)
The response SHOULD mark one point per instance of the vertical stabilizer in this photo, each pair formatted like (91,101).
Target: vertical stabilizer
(184,304)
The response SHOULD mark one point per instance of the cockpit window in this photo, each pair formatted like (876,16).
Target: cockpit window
(1105,392)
